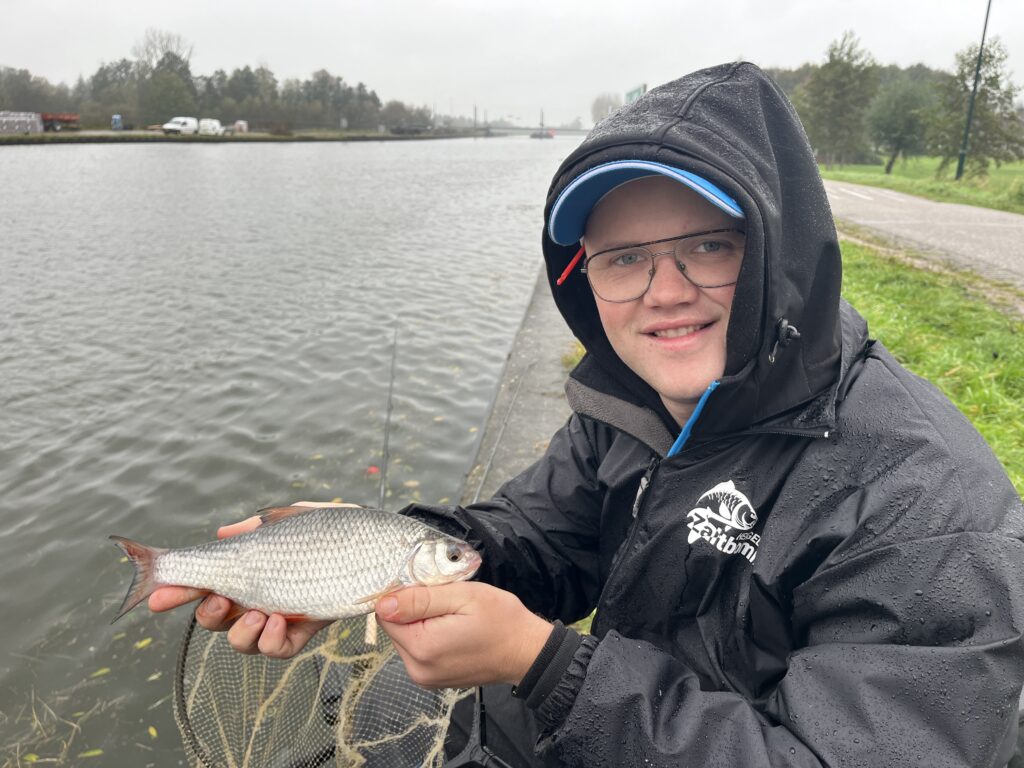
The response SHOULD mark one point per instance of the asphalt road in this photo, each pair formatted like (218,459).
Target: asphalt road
(989,242)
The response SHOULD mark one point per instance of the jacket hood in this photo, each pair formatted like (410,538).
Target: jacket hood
(732,125)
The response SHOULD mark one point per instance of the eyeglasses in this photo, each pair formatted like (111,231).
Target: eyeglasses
(710,259)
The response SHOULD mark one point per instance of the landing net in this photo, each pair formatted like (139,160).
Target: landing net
(340,702)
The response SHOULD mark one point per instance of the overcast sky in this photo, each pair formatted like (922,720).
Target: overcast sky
(508,58)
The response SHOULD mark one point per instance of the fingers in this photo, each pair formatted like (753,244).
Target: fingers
(282,640)
(216,613)
(244,634)
(166,598)
(236,528)
(418,603)
(271,636)
(464,634)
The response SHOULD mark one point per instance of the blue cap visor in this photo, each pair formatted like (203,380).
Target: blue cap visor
(569,214)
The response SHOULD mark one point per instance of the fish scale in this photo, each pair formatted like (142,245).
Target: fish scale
(326,562)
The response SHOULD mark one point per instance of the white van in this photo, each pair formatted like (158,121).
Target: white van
(181,125)
(208,126)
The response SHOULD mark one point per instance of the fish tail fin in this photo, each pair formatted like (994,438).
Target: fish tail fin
(144,581)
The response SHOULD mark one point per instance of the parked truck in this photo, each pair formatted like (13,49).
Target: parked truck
(59,121)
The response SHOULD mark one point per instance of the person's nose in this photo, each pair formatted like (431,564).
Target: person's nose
(668,284)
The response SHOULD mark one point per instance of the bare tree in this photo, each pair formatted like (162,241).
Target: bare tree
(156,43)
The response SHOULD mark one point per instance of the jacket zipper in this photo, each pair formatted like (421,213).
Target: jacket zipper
(645,483)
(641,494)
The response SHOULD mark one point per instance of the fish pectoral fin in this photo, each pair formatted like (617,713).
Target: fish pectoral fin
(292,618)
(235,612)
(396,584)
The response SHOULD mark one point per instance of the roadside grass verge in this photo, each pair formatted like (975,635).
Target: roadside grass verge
(1002,189)
(945,326)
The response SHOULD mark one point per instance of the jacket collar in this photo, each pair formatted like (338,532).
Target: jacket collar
(590,394)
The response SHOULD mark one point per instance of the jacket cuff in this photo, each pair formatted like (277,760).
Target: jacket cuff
(547,654)
(551,711)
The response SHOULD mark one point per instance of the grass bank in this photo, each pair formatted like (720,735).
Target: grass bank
(944,325)
(1002,189)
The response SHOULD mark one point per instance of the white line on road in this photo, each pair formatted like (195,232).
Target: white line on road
(861,195)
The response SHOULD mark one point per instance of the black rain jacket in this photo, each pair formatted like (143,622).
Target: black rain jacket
(831,571)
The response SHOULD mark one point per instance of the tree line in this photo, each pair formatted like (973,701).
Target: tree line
(157,83)
(858,111)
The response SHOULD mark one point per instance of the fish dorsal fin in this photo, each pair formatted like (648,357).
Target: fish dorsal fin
(272,515)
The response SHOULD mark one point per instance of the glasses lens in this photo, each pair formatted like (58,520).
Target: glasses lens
(708,260)
(713,259)
(620,275)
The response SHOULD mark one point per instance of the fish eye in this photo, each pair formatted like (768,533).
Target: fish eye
(452,553)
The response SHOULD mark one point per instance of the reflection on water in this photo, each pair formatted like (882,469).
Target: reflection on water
(190,333)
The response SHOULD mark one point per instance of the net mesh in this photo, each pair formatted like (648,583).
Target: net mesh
(342,701)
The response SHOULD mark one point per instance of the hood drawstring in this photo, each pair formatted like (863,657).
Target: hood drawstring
(784,334)
(568,269)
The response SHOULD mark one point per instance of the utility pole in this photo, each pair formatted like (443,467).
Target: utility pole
(974,92)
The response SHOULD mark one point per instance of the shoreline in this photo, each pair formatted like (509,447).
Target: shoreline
(529,405)
(152,137)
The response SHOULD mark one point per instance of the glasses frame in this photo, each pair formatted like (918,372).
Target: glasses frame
(650,274)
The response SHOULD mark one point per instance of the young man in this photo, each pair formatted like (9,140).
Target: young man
(799,553)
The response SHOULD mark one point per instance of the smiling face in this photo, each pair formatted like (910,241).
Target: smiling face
(673,336)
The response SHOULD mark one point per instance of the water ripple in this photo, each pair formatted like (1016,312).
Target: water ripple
(192,332)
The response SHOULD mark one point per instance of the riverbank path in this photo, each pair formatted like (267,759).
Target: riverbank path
(989,242)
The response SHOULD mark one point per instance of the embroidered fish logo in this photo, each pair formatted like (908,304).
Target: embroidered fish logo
(734,512)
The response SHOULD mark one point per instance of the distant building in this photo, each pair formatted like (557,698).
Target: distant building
(20,122)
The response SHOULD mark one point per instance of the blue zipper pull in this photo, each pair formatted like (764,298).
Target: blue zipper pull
(677,446)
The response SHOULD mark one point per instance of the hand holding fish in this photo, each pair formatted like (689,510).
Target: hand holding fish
(296,569)
(462,634)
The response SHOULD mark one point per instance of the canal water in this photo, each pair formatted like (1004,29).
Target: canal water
(189,333)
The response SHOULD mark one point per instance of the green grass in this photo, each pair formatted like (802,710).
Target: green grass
(572,357)
(943,326)
(1002,189)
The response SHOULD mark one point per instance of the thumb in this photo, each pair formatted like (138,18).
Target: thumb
(418,603)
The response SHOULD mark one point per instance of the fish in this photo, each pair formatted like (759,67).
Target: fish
(307,562)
